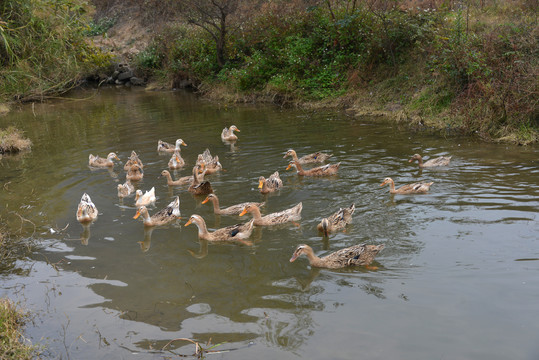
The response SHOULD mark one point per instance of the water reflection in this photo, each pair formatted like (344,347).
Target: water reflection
(85,235)
(145,244)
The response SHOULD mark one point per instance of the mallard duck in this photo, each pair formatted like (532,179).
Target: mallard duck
(439,161)
(337,221)
(271,184)
(181,181)
(228,133)
(134,173)
(145,199)
(199,187)
(288,215)
(167,147)
(86,211)
(209,162)
(326,170)
(231,210)
(237,232)
(125,189)
(415,188)
(317,157)
(351,256)
(96,161)
(133,159)
(176,161)
(163,216)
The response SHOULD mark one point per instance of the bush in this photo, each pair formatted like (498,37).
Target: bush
(42,48)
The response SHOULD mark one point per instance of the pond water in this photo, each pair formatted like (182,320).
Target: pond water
(458,278)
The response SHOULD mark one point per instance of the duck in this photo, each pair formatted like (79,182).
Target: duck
(231,210)
(317,157)
(133,159)
(181,181)
(238,232)
(351,256)
(211,163)
(176,161)
(125,189)
(326,170)
(199,187)
(86,211)
(145,199)
(337,221)
(415,188)
(439,161)
(288,215)
(271,184)
(228,133)
(96,161)
(163,216)
(168,147)
(134,173)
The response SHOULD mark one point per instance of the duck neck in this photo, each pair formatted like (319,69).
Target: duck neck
(392,187)
(215,202)
(202,229)
(196,181)
(313,259)
(169,179)
(146,217)
(255,212)
(298,167)
(420,161)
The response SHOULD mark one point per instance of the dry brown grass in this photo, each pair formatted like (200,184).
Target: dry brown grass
(13,345)
(12,141)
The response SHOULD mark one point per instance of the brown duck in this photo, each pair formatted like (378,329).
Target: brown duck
(352,256)
(231,210)
(415,188)
(326,170)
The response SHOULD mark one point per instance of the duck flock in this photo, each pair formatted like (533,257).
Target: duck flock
(206,164)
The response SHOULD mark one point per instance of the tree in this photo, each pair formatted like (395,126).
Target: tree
(212,16)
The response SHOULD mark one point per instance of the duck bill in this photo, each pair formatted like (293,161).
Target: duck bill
(411,160)
(293,258)
(243,212)
(289,166)
(260,184)
(236,129)
(136,215)
(382,184)
(206,200)
(183,143)
(188,223)
(117,158)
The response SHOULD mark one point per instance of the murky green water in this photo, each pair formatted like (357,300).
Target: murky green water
(458,279)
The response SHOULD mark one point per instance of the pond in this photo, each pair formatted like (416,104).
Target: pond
(458,278)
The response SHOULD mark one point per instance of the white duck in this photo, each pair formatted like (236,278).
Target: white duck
(145,199)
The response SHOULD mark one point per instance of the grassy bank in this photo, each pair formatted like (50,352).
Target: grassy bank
(468,66)
(43,48)
(12,342)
